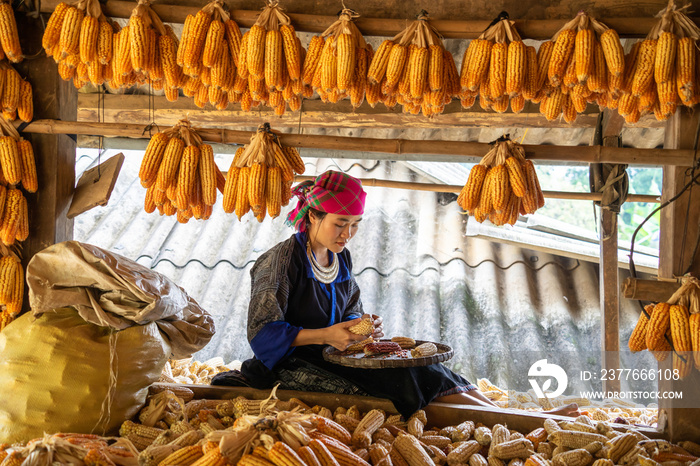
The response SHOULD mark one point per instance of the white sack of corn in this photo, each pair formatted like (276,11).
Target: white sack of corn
(100,332)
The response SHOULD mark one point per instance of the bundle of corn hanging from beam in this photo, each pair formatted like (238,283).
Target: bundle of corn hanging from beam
(583,63)
(672,328)
(80,40)
(660,72)
(337,62)
(9,38)
(500,69)
(414,70)
(11,286)
(502,186)
(261,175)
(16,96)
(269,63)
(180,175)
(208,54)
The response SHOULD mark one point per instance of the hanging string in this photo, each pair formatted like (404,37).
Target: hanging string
(100,119)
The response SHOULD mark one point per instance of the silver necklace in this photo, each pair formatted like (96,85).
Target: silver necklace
(323,274)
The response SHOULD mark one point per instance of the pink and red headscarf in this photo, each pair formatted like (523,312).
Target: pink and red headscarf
(331,192)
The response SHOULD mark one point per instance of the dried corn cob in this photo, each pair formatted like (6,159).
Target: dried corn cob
(425,349)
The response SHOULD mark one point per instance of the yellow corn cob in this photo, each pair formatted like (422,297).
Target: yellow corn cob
(152,159)
(312,60)
(167,171)
(630,65)
(478,67)
(273,191)
(123,52)
(584,54)
(363,327)
(22,222)
(346,56)
(10,160)
(242,201)
(597,80)
(436,65)
(369,424)
(195,39)
(569,109)
(187,175)
(8,272)
(184,39)
(257,183)
(685,68)
(254,460)
(273,58)
(230,188)
(425,349)
(665,56)
(213,43)
(8,33)
(294,159)
(663,349)
(515,67)
(530,200)
(500,188)
(612,49)
(14,306)
(398,56)
(553,105)
(255,50)
(680,329)
(578,457)
(233,39)
(498,70)
(28,164)
(138,40)
(404,342)
(52,33)
(575,439)
(637,341)
(644,71)
(207,174)
(292,52)
(657,326)
(517,448)
(88,39)
(11,92)
(418,69)
(411,451)
(379,63)
(518,181)
(172,73)
(281,454)
(149,203)
(329,66)
(25,106)
(694,323)
(619,446)
(103,43)
(562,53)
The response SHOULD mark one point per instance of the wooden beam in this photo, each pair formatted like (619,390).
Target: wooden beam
(656,291)
(447,188)
(55,153)
(539,29)
(679,231)
(316,114)
(404,149)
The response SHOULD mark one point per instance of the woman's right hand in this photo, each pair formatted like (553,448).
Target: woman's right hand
(339,337)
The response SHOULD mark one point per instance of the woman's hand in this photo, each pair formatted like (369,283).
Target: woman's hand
(378,327)
(339,337)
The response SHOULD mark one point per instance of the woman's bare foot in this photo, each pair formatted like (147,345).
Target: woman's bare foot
(570,410)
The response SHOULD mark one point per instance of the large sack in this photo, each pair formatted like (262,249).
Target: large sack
(100,332)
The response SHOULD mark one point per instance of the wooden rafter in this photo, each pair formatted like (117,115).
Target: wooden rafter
(540,29)
(402,149)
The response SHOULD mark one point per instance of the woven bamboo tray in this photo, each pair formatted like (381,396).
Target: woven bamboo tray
(383,361)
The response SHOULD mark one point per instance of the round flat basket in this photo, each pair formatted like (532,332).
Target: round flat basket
(383,361)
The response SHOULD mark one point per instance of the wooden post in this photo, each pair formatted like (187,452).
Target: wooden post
(679,220)
(53,99)
(608,272)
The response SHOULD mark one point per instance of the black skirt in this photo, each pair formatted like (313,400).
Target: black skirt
(409,388)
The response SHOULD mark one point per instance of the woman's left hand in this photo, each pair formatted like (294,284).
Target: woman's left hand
(378,327)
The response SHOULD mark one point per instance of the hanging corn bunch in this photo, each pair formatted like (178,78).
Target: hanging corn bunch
(18,165)
(414,70)
(208,53)
(661,70)
(16,95)
(502,186)
(9,38)
(337,62)
(673,328)
(179,174)
(11,286)
(583,63)
(79,38)
(498,68)
(269,63)
(261,175)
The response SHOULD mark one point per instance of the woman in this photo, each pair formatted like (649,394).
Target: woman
(304,297)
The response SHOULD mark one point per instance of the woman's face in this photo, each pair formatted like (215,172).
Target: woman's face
(333,231)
